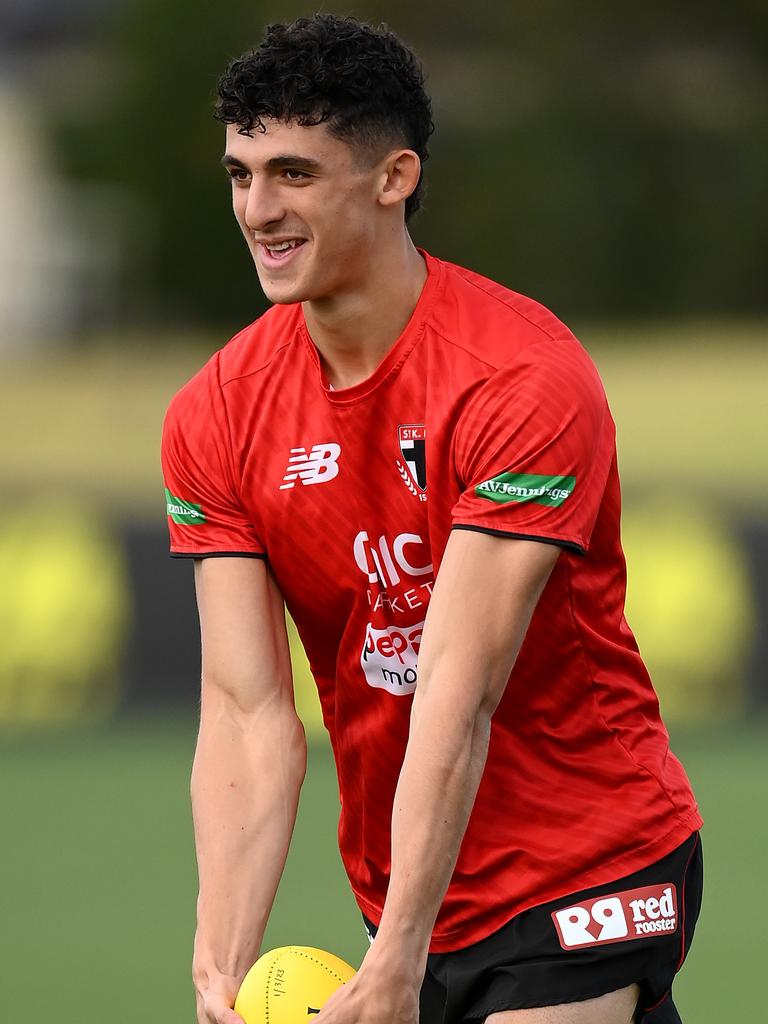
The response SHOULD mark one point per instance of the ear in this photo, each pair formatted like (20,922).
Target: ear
(399,177)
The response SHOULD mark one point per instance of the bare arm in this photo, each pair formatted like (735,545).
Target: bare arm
(472,635)
(248,769)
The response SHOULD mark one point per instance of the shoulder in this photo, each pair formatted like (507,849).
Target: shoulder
(495,324)
(250,352)
(257,346)
(524,361)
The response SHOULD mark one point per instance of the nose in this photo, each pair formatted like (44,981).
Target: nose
(263,207)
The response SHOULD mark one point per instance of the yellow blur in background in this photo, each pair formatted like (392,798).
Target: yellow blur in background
(689,603)
(691,606)
(70,616)
(65,611)
(608,162)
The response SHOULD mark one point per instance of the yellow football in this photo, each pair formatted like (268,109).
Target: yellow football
(290,984)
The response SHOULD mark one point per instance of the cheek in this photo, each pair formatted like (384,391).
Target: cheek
(348,221)
(239,203)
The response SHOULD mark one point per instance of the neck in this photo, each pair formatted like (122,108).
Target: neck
(354,330)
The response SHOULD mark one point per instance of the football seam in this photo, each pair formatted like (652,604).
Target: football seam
(273,965)
(308,956)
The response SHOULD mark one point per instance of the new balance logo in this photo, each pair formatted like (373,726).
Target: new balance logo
(318,466)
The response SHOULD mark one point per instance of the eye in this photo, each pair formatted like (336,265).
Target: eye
(291,174)
(239,175)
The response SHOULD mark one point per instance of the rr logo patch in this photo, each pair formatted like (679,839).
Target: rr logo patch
(633,914)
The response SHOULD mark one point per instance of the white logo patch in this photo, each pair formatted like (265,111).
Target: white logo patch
(632,914)
(319,466)
(390,656)
(383,563)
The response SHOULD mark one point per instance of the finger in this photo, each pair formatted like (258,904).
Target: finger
(217,1011)
(230,1017)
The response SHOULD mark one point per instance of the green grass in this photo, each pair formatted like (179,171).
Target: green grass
(98,880)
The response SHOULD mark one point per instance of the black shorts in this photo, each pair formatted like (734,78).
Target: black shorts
(637,929)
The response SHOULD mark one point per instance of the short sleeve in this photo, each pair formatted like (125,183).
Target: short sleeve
(534,447)
(205,515)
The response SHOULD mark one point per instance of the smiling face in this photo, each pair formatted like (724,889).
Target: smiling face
(311,208)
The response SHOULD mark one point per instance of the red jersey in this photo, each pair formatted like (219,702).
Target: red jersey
(486,414)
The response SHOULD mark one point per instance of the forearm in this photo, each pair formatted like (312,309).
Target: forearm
(246,779)
(464,665)
(444,762)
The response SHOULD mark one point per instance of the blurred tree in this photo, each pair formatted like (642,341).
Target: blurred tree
(604,159)
(155,134)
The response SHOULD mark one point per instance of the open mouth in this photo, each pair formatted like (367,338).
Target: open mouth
(277,253)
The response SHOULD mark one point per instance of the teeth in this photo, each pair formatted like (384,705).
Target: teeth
(282,246)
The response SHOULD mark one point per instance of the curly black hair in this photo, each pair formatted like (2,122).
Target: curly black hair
(362,80)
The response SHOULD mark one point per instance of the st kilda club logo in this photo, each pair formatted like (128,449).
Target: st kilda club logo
(412,466)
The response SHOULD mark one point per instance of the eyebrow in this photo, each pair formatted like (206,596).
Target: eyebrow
(275,163)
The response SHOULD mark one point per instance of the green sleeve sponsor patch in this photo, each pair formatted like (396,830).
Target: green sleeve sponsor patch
(523,487)
(185,513)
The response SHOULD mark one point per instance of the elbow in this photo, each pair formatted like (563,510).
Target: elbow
(265,741)
(283,767)
(296,741)
(283,746)
(469,708)
(489,701)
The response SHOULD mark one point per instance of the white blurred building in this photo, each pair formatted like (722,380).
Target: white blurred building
(62,246)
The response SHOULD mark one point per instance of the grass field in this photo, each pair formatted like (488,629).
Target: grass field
(97,876)
(98,880)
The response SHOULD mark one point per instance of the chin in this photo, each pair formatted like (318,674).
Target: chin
(282,294)
(279,297)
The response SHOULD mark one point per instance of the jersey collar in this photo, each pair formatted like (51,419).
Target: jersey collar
(401,349)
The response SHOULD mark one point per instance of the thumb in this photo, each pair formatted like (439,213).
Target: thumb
(230,1017)
(220,1012)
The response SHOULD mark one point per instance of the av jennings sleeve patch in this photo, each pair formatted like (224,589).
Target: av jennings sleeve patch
(184,513)
(527,487)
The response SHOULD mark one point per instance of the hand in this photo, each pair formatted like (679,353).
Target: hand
(380,993)
(215,1002)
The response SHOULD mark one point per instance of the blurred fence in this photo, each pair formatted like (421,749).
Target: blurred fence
(96,621)
(96,618)
(699,591)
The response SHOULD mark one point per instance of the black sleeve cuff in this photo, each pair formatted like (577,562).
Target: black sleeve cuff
(568,545)
(218,554)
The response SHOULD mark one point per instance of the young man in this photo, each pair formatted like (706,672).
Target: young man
(421,464)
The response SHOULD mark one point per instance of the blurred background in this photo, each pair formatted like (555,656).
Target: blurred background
(610,160)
